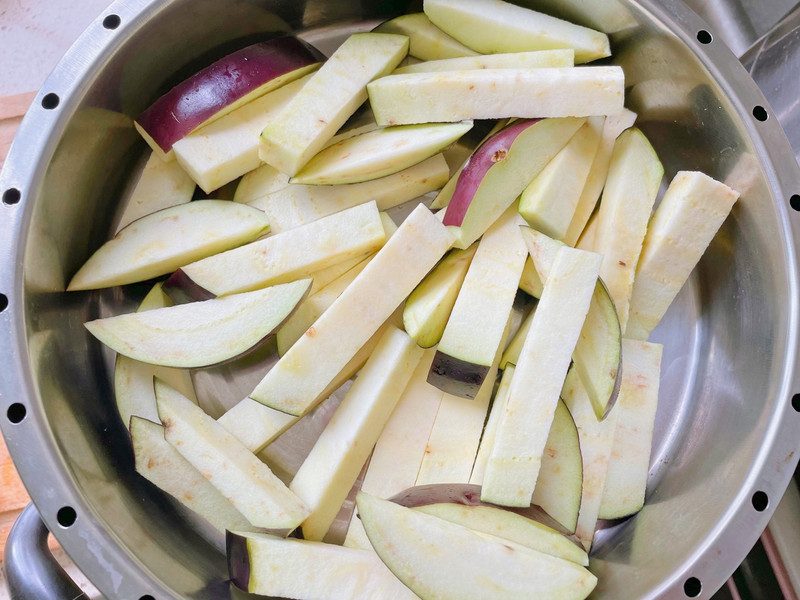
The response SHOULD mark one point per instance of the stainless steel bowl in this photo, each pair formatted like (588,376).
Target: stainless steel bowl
(726,441)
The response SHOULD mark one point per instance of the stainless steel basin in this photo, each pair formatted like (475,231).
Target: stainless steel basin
(727,425)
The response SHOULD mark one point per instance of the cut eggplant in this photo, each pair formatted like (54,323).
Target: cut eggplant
(429,306)
(455,436)
(328,275)
(454,441)
(133,380)
(286,256)
(222,87)
(597,354)
(510,526)
(230,467)
(201,334)
(558,487)
(161,185)
(497,94)
(499,170)
(530,282)
(312,307)
(168,239)
(288,568)
(260,187)
(589,235)
(379,153)
(256,425)
(596,439)
(541,59)
(317,303)
(219,152)
(259,183)
(161,464)
(476,326)
(492,26)
(613,126)
(626,479)
(634,178)
(690,214)
(426,41)
(446,193)
(297,379)
(511,354)
(296,205)
(328,99)
(548,203)
(514,463)
(490,430)
(418,549)
(402,445)
(333,464)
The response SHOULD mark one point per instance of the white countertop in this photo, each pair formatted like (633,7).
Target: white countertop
(34,35)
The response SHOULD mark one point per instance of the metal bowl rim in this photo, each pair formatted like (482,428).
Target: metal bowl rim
(33,448)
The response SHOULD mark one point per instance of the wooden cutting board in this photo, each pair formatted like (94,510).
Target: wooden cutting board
(13,497)
(12,109)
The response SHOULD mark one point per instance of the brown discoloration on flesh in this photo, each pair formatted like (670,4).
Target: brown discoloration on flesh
(499,155)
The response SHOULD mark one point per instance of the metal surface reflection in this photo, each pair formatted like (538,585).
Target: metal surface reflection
(731,336)
(774,63)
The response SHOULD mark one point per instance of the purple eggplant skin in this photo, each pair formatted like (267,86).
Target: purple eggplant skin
(195,100)
(468,494)
(238,560)
(488,154)
(455,376)
(182,289)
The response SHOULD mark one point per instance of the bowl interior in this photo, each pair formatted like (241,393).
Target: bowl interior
(726,337)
